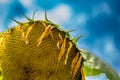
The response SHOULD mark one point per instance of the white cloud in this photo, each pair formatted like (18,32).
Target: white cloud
(101,8)
(106,8)
(109,46)
(26,3)
(106,46)
(60,14)
(81,19)
(39,15)
(4,1)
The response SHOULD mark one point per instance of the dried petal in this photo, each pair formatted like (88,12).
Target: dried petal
(58,45)
(74,61)
(82,72)
(61,39)
(62,51)
(68,51)
(43,23)
(44,34)
(28,32)
(22,31)
(77,66)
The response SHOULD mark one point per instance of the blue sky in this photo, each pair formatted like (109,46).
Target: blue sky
(99,19)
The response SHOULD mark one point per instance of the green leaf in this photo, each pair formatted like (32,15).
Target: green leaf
(91,71)
(95,66)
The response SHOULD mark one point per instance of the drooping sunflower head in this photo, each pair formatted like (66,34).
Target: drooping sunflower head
(39,50)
